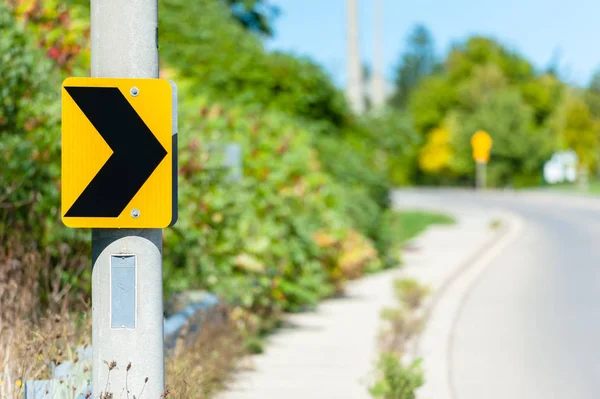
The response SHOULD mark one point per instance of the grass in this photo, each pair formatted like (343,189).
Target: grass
(495,224)
(397,228)
(39,322)
(413,223)
(593,188)
(41,325)
(200,366)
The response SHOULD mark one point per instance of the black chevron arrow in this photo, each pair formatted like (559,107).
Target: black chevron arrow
(136,152)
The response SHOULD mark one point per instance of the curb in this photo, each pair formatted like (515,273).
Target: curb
(435,342)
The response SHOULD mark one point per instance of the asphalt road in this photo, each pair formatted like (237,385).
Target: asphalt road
(530,326)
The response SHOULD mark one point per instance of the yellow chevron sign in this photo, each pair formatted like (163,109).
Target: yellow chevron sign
(119,153)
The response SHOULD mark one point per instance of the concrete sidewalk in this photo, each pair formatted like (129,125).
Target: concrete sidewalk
(452,285)
(330,353)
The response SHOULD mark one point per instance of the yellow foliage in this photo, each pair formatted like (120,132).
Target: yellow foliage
(249,263)
(437,152)
(323,239)
(349,256)
(357,254)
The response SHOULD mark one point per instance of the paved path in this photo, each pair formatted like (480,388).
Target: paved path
(534,314)
(526,326)
(330,353)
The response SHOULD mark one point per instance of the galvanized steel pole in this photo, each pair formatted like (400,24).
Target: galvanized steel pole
(127,298)
(481,172)
(378,89)
(354,86)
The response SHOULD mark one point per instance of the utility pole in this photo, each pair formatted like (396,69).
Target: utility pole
(355,87)
(481,174)
(378,89)
(127,297)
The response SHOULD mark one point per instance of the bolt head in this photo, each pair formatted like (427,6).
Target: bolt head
(135,213)
(134,91)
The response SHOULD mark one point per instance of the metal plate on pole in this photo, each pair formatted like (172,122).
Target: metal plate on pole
(123,290)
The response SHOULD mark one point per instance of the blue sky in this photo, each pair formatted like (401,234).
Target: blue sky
(537,29)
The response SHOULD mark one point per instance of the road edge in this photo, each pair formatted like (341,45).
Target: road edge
(443,310)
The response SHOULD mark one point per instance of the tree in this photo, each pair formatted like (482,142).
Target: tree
(592,95)
(367,76)
(431,101)
(543,94)
(478,51)
(437,153)
(255,15)
(594,85)
(485,80)
(519,148)
(394,143)
(484,85)
(576,129)
(216,56)
(417,62)
(553,67)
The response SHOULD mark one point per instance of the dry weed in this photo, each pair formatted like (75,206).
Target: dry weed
(200,364)
(37,323)
(403,322)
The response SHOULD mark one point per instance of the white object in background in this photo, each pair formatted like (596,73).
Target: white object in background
(553,172)
(561,167)
(571,174)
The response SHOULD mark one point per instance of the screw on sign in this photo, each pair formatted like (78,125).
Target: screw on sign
(482,144)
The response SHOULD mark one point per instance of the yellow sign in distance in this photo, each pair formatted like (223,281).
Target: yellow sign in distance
(482,144)
(119,153)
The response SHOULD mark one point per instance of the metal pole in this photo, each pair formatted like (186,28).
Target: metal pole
(354,88)
(481,175)
(127,263)
(378,84)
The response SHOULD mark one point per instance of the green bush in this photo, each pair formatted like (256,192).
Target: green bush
(203,42)
(397,381)
(394,144)
(396,228)
(215,56)
(255,241)
(29,140)
(30,156)
(366,190)
(289,232)
(410,293)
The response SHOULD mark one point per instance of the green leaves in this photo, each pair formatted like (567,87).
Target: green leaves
(397,381)
(576,128)
(485,86)
(418,62)
(29,133)
(255,15)
(251,241)
(225,62)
